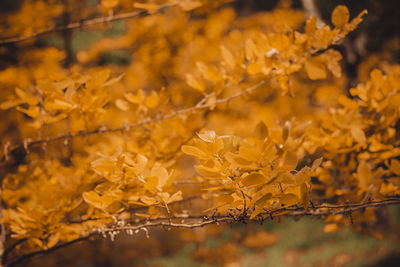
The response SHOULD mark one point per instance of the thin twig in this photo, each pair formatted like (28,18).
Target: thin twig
(201,221)
(128,127)
(85,23)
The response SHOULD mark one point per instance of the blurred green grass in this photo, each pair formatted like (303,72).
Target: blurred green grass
(305,242)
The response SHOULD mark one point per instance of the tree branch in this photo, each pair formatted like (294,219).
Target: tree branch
(125,128)
(85,23)
(191,222)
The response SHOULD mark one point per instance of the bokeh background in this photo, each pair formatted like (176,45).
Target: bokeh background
(283,242)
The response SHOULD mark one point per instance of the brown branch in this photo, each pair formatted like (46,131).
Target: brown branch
(85,23)
(201,221)
(127,127)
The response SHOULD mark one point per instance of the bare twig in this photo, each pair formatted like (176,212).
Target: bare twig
(85,23)
(201,221)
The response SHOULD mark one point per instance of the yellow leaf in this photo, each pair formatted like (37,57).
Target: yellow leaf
(289,199)
(228,58)
(364,175)
(207,171)
(395,166)
(283,81)
(100,202)
(305,195)
(137,98)
(148,200)
(194,83)
(10,103)
(254,179)
(223,200)
(261,130)
(300,38)
(291,159)
(315,70)
(340,16)
(316,164)
(122,104)
(194,151)
(207,136)
(32,111)
(358,134)
(27,97)
(151,183)
(53,240)
(254,68)
(249,153)
(177,196)
(153,211)
(114,80)
(389,189)
(311,26)
(347,102)
(152,100)
(250,50)
(104,166)
(208,72)
(161,173)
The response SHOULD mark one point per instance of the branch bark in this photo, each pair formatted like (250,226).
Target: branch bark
(192,222)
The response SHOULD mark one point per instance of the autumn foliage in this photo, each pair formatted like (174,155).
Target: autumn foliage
(248,117)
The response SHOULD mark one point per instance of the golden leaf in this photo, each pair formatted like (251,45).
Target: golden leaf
(315,70)
(254,68)
(113,80)
(122,104)
(332,57)
(254,179)
(100,202)
(177,196)
(194,151)
(10,103)
(207,136)
(137,98)
(195,83)
(261,130)
(228,57)
(152,100)
(151,183)
(347,102)
(249,153)
(223,200)
(340,16)
(389,189)
(395,166)
(364,175)
(291,159)
(358,134)
(289,199)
